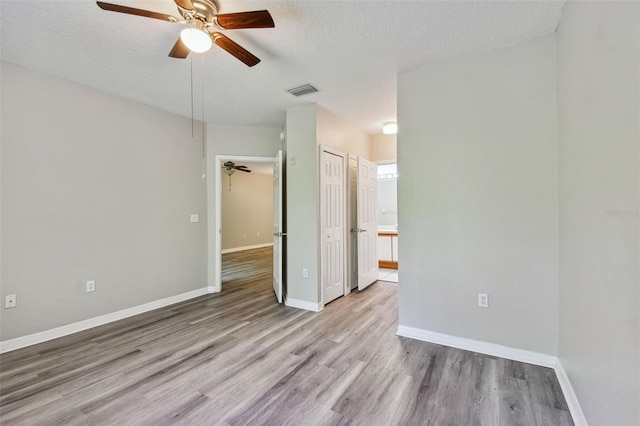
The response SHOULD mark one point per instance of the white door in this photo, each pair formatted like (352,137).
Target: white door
(367,223)
(332,218)
(278,234)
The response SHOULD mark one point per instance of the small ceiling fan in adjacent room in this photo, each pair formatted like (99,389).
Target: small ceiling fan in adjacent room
(204,26)
(230,167)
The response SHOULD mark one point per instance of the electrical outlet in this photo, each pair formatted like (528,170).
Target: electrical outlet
(483,300)
(10,301)
(91,286)
(305,273)
(195,218)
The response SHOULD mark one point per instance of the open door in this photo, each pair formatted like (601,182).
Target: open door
(367,223)
(278,235)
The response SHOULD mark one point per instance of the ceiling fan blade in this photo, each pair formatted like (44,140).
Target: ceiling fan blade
(138,12)
(235,49)
(179,50)
(235,21)
(185,4)
(243,170)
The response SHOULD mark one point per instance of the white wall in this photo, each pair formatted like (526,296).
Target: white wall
(387,208)
(247,209)
(477,197)
(94,187)
(598,161)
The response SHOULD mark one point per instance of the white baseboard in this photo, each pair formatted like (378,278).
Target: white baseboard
(506,352)
(231,250)
(570,395)
(54,333)
(478,346)
(303,304)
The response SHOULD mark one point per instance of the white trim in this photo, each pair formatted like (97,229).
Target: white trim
(255,246)
(487,348)
(570,395)
(214,218)
(303,304)
(54,333)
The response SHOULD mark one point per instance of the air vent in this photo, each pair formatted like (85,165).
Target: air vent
(305,89)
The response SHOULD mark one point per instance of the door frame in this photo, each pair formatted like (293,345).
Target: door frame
(345,167)
(214,259)
(352,212)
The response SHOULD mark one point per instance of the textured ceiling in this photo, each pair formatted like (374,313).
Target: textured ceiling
(352,51)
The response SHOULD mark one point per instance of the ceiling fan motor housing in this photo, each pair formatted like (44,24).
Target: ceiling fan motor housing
(205,11)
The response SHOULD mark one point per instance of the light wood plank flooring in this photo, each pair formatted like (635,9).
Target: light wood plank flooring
(238,358)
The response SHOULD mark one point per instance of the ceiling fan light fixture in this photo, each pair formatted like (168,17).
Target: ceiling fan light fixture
(196,38)
(390,128)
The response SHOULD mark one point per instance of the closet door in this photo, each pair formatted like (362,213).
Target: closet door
(333,214)
(367,223)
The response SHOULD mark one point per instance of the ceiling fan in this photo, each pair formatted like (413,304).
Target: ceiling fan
(230,167)
(204,24)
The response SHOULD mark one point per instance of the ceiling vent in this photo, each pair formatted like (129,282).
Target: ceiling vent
(305,89)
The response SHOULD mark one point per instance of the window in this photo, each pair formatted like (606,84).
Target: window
(387,171)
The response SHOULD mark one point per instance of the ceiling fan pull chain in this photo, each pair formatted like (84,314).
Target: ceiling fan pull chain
(204,157)
(191,72)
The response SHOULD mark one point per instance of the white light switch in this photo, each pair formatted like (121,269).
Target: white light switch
(195,218)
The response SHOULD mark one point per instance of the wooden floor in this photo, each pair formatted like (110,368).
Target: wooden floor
(238,358)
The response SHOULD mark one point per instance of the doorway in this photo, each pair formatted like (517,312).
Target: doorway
(387,213)
(246,230)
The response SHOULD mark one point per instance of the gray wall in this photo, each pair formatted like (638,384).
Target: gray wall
(598,161)
(247,209)
(94,187)
(302,204)
(477,197)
